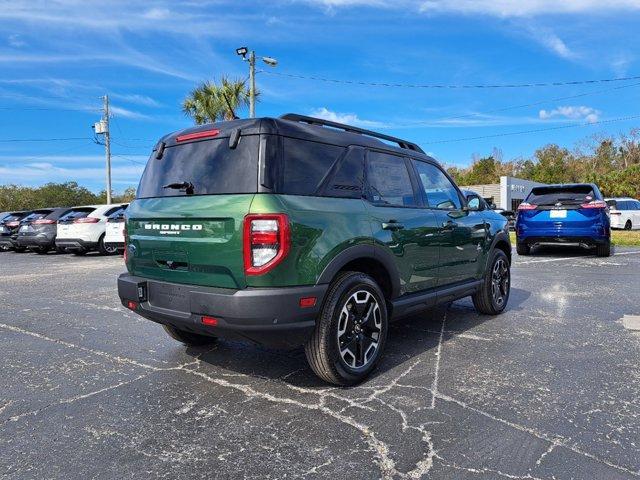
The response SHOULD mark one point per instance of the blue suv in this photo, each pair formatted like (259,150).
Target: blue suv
(564,214)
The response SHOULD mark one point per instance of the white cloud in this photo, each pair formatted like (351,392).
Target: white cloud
(15,41)
(126,113)
(588,114)
(348,118)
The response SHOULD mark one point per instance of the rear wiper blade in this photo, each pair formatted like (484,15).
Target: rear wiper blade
(186,186)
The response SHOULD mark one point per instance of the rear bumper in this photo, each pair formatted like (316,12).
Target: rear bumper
(7,242)
(267,316)
(35,241)
(564,240)
(75,244)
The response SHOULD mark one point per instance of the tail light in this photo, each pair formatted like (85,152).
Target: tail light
(12,224)
(126,242)
(44,221)
(197,135)
(87,220)
(594,204)
(266,239)
(526,206)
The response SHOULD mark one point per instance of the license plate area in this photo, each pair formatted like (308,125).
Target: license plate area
(171,297)
(558,214)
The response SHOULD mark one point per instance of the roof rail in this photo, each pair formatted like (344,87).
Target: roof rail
(294,117)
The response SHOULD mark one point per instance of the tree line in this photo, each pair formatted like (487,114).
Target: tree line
(612,163)
(69,194)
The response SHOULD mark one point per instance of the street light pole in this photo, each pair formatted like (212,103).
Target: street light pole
(252,84)
(107,146)
(272,62)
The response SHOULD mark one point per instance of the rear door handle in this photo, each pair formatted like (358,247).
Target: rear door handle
(449,225)
(392,225)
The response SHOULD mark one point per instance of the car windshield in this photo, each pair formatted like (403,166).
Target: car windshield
(202,168)
(568,195)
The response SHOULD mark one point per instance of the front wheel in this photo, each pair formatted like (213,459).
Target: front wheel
(188,338)
(350,331)
(523,249)
(628,225)
(493,294)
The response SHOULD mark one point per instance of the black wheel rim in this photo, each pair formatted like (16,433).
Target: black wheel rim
(110,250)
(500,279)
(359,329)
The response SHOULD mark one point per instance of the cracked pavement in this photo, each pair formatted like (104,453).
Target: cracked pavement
(548,390)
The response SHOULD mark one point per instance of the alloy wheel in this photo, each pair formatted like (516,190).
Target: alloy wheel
(500,279)
(359,329)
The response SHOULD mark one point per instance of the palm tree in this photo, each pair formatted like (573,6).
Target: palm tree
(211,102)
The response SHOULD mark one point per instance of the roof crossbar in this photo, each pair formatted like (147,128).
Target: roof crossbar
(294,117)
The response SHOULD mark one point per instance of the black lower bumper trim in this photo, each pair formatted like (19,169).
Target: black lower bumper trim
(267,316)
(75,244)
(587,241)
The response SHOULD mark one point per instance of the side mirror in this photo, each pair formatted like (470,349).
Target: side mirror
(473,203)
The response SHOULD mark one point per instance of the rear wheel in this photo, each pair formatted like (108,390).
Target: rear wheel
(493,295)
(104,249)
(188,338)
(604,250)
(628,225)
(523,249)
(350,331)
(42,250)
(80,252)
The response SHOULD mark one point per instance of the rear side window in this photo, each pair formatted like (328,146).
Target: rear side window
(566,195)
(210,166)
(613,204)
(348,180)
(305,165)
(389,180)
(115,210)
(440,192)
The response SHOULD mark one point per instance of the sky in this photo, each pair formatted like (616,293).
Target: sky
(57,58)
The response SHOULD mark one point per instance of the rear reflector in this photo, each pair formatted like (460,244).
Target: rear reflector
(87,220)
(595,204)
(210,321)
(307,302)
(131,305)
(527,206)
(44,221)
(197,135)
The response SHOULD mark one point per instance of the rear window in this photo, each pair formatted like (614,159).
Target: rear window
(75,214)
(38,215)
(566,195)
(306,165)
(13,217)
(210,166)
(118,213)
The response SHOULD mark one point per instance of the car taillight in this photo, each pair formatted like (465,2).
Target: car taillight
(87,220)
(44,221)
(266,241)
(595,204)
(527,206)
(12,224)
(198,135)
(126,242)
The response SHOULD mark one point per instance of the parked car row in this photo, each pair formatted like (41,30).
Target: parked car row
(77,230)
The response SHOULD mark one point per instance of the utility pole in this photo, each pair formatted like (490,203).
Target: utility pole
(272,62)
(252,84)
(107,146)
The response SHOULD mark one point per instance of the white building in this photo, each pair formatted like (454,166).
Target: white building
(508,194)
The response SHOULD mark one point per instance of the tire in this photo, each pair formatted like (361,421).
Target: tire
(188,338)
(364,332)
(604,249)
(493,295)
(104,250)
(20,249)
(523,249)
(628,225)
(42,250)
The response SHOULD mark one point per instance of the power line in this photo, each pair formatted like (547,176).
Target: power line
(523,132)
(449,86)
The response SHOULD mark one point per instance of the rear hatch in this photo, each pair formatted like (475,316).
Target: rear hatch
(71,226)
(36,222)
(185,225)
(560,207)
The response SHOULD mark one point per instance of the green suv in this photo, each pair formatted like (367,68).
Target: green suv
(299,231)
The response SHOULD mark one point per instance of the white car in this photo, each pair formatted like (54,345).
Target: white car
(625,213)
(114,235)
(83,229)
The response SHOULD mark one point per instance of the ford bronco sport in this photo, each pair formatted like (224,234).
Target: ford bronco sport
(299,231)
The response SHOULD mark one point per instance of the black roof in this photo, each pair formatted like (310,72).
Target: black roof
(305,128)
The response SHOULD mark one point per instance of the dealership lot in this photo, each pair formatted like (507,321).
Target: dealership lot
(550,389)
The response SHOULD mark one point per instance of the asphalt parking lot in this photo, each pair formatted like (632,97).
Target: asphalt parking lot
(550,389)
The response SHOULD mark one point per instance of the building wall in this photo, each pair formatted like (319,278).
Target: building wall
(507,194)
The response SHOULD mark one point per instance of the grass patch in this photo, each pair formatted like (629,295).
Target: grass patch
(622,238)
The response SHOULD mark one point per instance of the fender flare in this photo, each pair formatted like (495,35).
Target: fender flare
(500,236)
(358,252)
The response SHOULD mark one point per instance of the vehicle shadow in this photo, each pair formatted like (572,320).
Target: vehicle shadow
(408,338)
